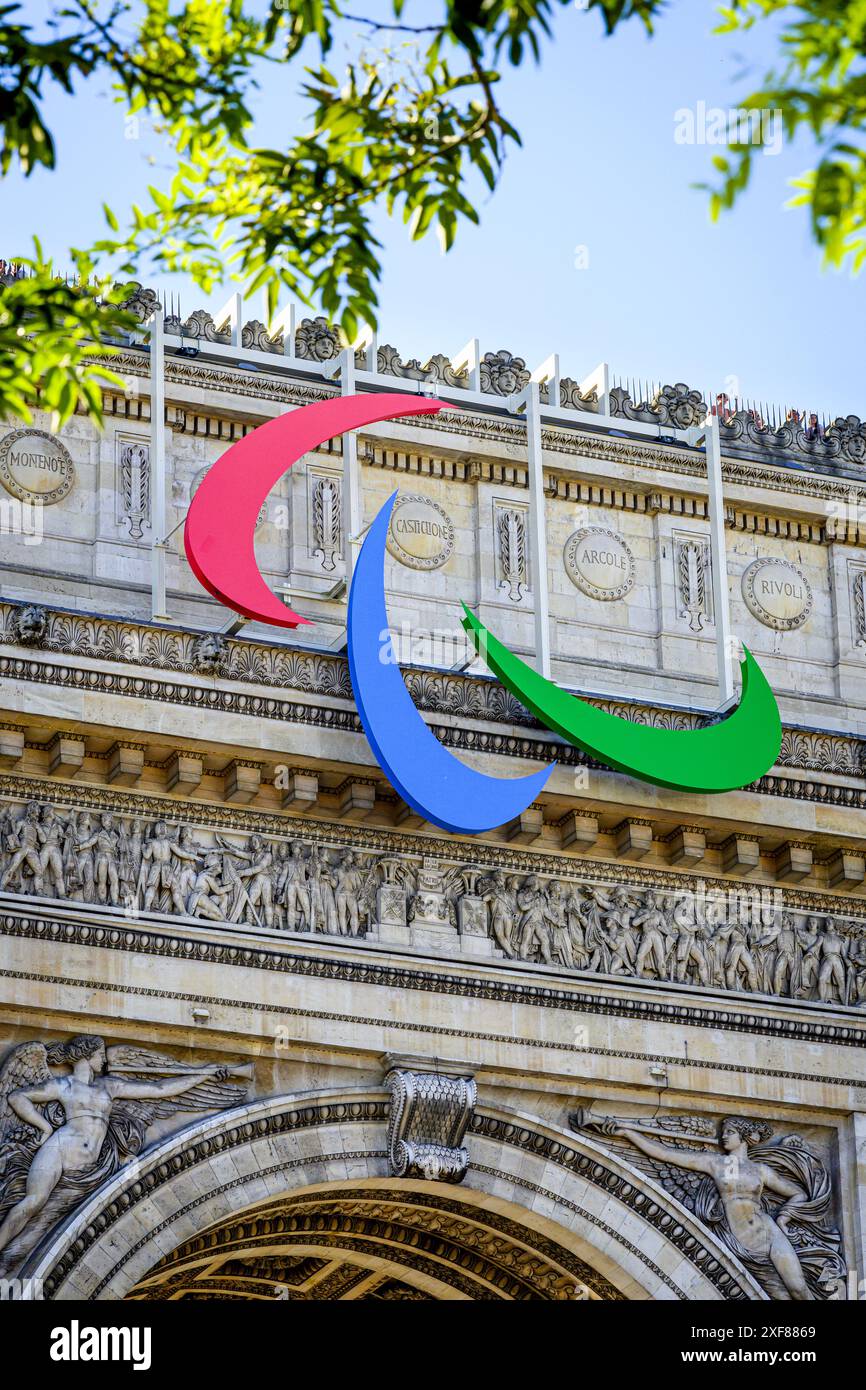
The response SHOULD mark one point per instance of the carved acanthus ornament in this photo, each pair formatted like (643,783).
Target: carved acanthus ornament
(511,551)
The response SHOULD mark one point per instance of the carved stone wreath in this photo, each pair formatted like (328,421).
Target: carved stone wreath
(757,608)
(406,557)
(580,580)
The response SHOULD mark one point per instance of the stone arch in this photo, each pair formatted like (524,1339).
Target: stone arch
(541,1213)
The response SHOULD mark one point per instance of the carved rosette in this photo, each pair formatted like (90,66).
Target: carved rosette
(429,1117)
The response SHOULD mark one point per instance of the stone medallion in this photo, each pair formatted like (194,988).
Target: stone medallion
(599,562)
(421,533)
(777,593)
(35,467)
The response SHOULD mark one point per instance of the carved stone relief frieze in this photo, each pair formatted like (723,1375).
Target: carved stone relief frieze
(736,939)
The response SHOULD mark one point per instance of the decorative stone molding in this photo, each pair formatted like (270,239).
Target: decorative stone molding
(133,484)
(429,1116)
(766,472)
(326,519)
(438,368)
(316,673)
(512,563)
(692,565)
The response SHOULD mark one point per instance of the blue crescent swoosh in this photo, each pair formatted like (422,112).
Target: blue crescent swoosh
(430,779)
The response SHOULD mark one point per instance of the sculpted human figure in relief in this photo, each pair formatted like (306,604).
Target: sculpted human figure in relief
(770,1203)
(59,1131)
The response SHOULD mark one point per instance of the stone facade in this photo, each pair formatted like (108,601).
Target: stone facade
(308,1017)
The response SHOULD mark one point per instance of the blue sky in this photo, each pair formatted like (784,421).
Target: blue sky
(741,305)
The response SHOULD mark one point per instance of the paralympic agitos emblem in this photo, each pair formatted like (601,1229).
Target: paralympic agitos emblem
(219,540)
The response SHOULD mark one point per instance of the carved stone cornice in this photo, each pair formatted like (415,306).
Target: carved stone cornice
(124,643)
(763,469)
(761,1020)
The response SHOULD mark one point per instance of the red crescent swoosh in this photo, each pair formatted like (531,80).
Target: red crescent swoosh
(219,535)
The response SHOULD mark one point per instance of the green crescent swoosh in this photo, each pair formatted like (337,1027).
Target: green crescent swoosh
(736,751)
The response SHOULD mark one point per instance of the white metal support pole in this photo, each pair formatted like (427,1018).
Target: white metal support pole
(232,314)
(352,515)
(537,529)
(469,358)
(599,381)
(157,468)
(285,323)
(718,552)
